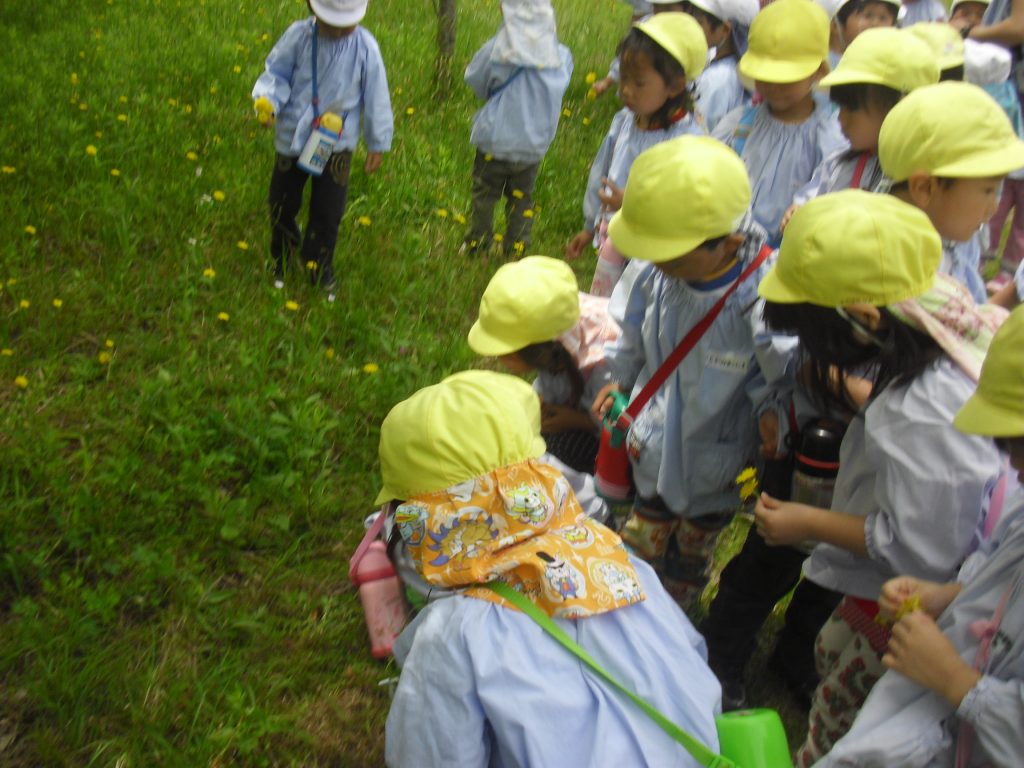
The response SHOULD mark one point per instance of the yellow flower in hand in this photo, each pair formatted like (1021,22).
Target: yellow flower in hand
(264,111)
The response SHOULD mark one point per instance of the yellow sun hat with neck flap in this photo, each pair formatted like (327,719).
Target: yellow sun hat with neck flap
(885,56)
(788,42)
(681,36)
(997,406)
(471,423)
(854,247)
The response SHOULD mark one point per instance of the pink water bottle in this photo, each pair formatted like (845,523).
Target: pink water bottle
(380,592)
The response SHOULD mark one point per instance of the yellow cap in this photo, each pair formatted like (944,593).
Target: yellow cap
(680,193)
(950,129)
(681,36)
(886,56)
(471,423)
(788,42)
(946,45)
(997,407)
(854,247)
(527,301)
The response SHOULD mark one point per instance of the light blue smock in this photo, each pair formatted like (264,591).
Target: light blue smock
(719,91)
(781,157)
(351,82)
(962,261)
(518,121)
(699,430)
(907,725)
(922,485)
(1018,280)
(836,172)
(617,152)
(484,685)
(917,11)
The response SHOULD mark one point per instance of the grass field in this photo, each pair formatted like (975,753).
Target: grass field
(186,453)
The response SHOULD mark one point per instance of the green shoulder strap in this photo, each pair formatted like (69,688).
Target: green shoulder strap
(699,752)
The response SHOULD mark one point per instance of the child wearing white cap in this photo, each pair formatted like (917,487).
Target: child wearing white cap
(954,692)
(784,138)
(326,63)
(521,74)
(534,318)
(726,24)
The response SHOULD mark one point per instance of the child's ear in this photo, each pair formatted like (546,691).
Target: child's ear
(676,87)
(732,243)
(921,187)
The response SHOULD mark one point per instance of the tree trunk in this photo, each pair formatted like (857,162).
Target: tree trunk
(445,44)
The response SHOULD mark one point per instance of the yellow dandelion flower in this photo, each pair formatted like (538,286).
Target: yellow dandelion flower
(83,106)
(188,109)
(29,229)
(58,303)
(586,121)
(746,475)
(488,157)
(223,316)
(216,139)
(517,194)
(8,169)
(218,196)
(371,368)
(6,352)
(236,69)
(109,343)
(213,90)
(291,306)
(123,99)
(528,213)
(242,245)
(24,304)
(191,155)
(114,172)
(748,490)
(172,102)
(398,91)
(442,213)
(99,134)
(519,246)
(498,237)
(74,78)
(591,78)
(122,118)
(103,357)
(20,382)
(209,273)
(410,110)
(459,218)
(311,265)
(12,281)
(90,150)
(264,37)
(329,353)
(363,221)
(567,112)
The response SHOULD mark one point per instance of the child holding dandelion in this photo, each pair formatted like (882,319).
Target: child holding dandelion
(957,695)
(328,63)
(521,73)
(659,57)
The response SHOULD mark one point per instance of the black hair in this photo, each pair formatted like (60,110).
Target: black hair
(855,6)
(637,42)
(955,74)
(712,243)
(552,357)
(857,96)
(902,186)
(699,13)
(828,346)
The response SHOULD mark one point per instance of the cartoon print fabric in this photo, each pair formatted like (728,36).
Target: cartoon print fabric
(521,524)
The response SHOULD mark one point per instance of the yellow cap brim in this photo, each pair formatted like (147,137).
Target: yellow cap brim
(993,162)
(483,343)
(851,76)
(773,288)
(982,417)
(638,243)
(772,70)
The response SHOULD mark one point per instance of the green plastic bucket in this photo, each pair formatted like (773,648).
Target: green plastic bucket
(753,738)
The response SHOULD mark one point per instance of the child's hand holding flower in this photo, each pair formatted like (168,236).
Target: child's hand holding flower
(782,523)
(264,111)
(904,594)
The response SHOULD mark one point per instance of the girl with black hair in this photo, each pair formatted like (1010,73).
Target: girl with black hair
(659,57)
(856,282)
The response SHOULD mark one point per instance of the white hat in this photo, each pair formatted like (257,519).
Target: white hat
(985,63)
(831,7)
(736,11)
(339,13)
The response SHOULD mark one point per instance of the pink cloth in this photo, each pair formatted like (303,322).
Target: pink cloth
(585,341)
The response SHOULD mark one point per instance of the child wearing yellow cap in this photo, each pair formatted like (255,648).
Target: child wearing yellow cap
(790,133)
(856,281)
(481,682)
(660,57)
(946,45)
(953,695)
(685,221)
(947,149)
(533,318)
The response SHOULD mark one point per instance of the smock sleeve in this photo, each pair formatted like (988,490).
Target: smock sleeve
(628,307)
(378,119)
(436,718)
(599,170)
(479,73)
(995,708)
(275,84)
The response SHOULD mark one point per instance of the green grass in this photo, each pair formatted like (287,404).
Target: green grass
(179,493)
